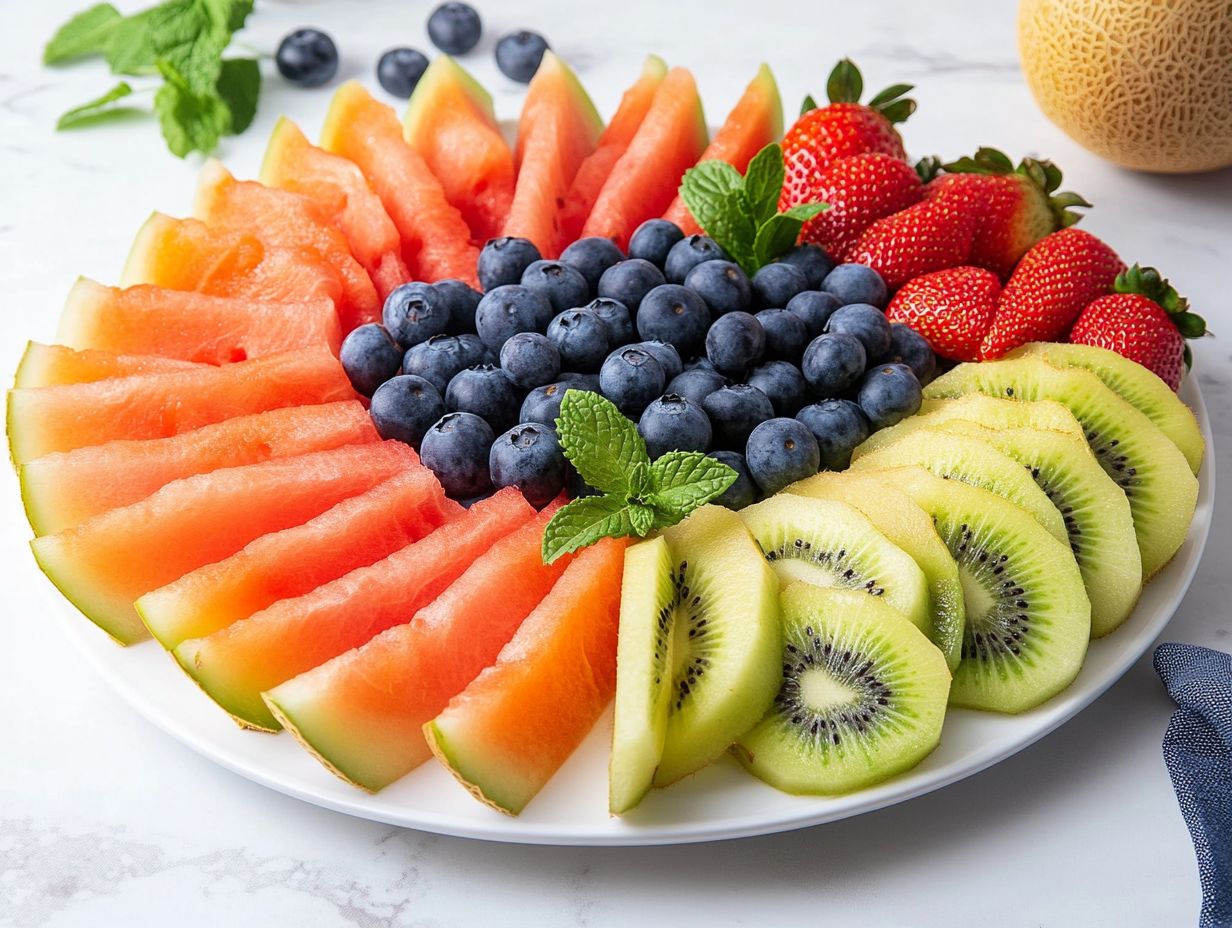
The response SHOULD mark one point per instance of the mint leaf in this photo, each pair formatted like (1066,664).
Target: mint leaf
(190,121)
(641,518)
(239,85)
(84,34)
(714,193)
(685,480)
(97,110)
(781,231)
(601,444)
(805,211)
(763,182)
(583,522)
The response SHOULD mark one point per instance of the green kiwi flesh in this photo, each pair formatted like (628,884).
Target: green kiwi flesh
(862,696)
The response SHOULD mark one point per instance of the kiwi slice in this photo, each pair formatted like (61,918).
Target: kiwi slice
(829,543)
(1149,468)
(724,647)
(1028,616)
(896,516)
(1135,384)
(1098,520)
(957,457)
(862,696)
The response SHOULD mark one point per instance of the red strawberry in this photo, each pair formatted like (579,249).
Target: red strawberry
(930,236)
(1145,321)
(1053,283)
(860,190)
(951,308)
(1014,207)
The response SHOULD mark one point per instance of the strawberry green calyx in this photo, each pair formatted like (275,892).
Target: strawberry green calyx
(1149,283)
(846,85)
(1041,173)
(929,167)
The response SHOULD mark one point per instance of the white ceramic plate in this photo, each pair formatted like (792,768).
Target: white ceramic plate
(720,802)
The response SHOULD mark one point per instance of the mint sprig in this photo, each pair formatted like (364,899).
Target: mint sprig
(742,213)
(637,495)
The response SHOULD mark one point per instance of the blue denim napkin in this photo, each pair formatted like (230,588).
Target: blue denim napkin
(1198,752)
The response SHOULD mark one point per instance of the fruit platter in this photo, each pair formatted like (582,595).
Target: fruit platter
(626,482)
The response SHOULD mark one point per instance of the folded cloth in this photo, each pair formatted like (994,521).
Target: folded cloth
(1198,752)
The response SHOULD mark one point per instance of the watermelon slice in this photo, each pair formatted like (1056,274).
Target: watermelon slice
(65,488)
(46,419)
(106,562)
(51,365)
(362,714)
(450,122)
(615,139)
(435,238)
(341,193)
(354,533)
(283,219)
(192,326)
(558,129)
(508,732)
(645,179)
(754,122)
(237,664)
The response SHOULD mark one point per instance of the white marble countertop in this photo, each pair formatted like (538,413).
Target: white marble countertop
(104,820)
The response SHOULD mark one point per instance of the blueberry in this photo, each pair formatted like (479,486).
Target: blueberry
(519,53)
(564,286)
(576,381)
(911,348)
(735,342)
(370,356)
(723,285)
(775,284)
(782,383)
(616,317)
(582,339)
(629,281)
(529,360)
(786,334)
(400,69)
(631,377)
(542,404)
(415,312)
(456,450)
(689,252)
(676,315)
(696,384)
(437,360)
(503,260)
(454,28)
(867,323)
(812,260)
(529,457)
(734,412)
(744,491)
(780,452)
(668,356)
(814,307)
(653,239)
(307,58)
(889,393)
(405,407)
(576,487)
(832,364)
(473,349)
(700,363)
(462,300)
(673,423)
(838,425)
(509,309)
(592,256)
(855,283)
(485,391)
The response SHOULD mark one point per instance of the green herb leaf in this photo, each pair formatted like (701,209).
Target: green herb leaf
(642,518)
(239,85)
(685,480)
(763,182)
(601,444)
(190,121)
(583,522)
(84,34)
(98,109)
(780,232)
(714,193)
(805,211)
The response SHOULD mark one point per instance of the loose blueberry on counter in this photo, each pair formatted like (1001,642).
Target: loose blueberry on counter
(530,360)
(723,285)
(814,307)
(616,317)
(519,54)
(867,323)
(370,356)
(486,392)
(696,384)
(631,377)
(542,404)
(400,69)
(437,360)
(832,364)
(456,450)
(503,261)
(780,452)
(674,314)
(734,412)
(462,300)
(509,309)
(775,284)
(911,348)
(786,335)
(405,407)
(629,281)
(744,491)
(735,342)
(529,457)
(653,239)
(592,256)
(812,260)
(855,283)
(839,426)
(668,356)
(307,58)
(783,385)
(454,28)
(415,312)
(888,394)
(673,423)
(581,337)
(564,286)
(688,253)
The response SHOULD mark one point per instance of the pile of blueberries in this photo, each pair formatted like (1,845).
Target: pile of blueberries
(777,376)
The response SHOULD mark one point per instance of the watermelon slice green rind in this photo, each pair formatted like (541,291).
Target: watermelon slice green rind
(55,365)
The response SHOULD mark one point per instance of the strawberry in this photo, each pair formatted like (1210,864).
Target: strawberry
(1053,283)
(951,308)
(930,236)
(859,190)
(1015,207)
(1144,320)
